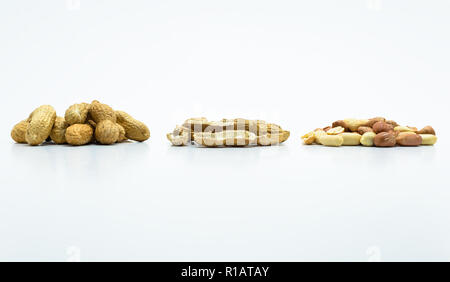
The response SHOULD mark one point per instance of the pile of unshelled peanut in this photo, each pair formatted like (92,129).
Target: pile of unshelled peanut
(377,132)
(82,124)
(227,132)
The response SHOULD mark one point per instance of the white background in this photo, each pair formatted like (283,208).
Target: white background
(300,64)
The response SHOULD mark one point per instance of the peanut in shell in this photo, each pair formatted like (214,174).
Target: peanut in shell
(41,124)
(79,134)
(134,129)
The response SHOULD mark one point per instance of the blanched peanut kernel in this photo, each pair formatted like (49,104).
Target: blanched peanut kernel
(331,140)
(428,139)
(403,129)
(335,130)
(351,138)
(367,139)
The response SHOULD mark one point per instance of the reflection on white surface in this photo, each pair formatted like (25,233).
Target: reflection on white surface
(290,202)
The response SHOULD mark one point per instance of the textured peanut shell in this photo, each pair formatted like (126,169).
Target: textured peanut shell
(193,123)
(99,112)
(19,130)
(77,113)
(134,129)
(215,126)
(273,138)
(79,134)
(238,138)
(58,133)
(201,125)
(182,131)
(179,130)
(232,138)
(122,133)
(107,132)
(268,139)
(179,140)
(92,123)
(227,132)
(258,127)
(41,124)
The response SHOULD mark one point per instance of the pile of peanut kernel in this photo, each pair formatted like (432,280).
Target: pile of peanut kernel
(377,132)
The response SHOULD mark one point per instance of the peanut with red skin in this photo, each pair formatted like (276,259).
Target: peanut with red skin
(384,139)
(381,126)
(393,123)
(364,129)
(427,130)
(372,121)
(340,123)
(409,139)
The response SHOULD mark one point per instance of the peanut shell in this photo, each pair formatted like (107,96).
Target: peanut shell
(58,133)
(79,134)
(99,112)
(134,129)
(41,124)
(19,130)
(77,113)
(107,132)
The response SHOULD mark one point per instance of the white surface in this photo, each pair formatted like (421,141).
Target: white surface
(299,65)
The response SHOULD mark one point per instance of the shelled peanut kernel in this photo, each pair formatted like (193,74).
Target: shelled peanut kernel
(377,132)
